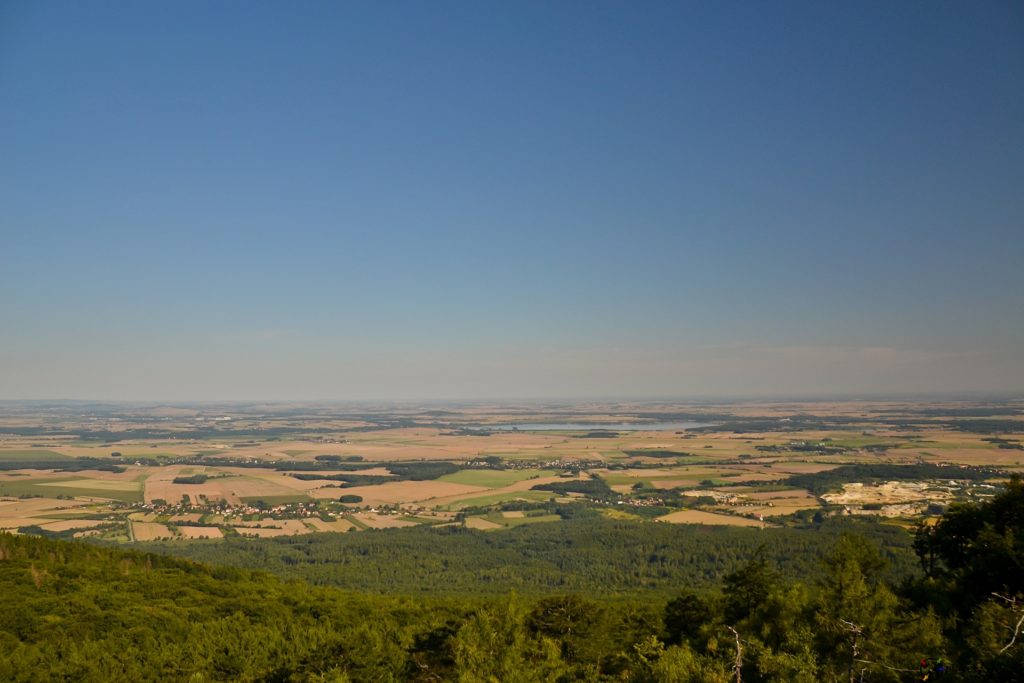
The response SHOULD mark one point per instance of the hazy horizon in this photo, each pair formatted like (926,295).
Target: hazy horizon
(447,201)
(979,397)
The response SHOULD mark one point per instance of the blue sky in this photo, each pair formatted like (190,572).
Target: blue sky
(438,200)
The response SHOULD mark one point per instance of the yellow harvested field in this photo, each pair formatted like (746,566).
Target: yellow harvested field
(966,456)
(274,481)
(189,517)
(701,517)
(15,522)
(255,486)
(481,524)
(337,525)
(802,467)
(200,532)
(284,527)
(232,489)
(786,507)
(780,502)
(401,491)
(210,491)
(513,514)
(150,531)
(291,526)
(378,521)
(427,443)
(15,506)
(143,516)
(160,485)
(266,521)
(309,485)
(131,474)
(65,524)
(16,512)
(524,485)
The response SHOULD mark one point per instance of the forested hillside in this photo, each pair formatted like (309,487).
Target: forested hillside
(87,613)
(587,554)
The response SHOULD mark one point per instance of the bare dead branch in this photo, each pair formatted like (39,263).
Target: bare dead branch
(1016,632)
(856,631)
(1012,602)
(738,664)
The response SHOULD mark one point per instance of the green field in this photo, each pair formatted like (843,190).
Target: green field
(502,498)
(493,478)
(96,484)
(30,455)
(71,486)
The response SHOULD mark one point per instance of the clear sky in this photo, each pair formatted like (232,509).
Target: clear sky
(346,200)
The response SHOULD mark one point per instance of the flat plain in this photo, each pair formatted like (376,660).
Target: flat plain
(135,473)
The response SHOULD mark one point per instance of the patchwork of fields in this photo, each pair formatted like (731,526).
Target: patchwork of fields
(754,465)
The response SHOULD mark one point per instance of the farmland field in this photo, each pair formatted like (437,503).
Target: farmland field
(701,517)
(493,478)
(148,531)
(70,487)
(27,455)
(331,472)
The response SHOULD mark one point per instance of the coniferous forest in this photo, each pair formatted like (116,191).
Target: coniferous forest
(82,612)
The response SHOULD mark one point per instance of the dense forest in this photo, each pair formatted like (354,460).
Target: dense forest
(83,612)
(585,553)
